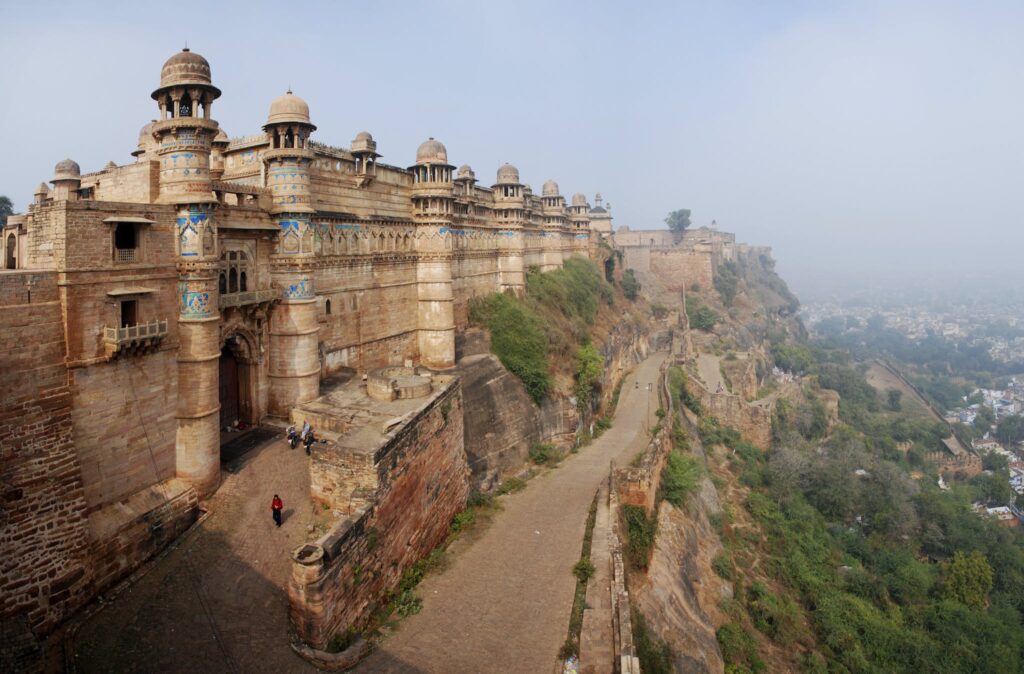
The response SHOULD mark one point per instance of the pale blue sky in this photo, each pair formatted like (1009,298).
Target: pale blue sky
(827,130)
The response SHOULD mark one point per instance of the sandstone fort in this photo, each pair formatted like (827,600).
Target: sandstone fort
(217,282)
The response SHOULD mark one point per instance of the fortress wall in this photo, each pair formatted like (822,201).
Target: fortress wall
(679,269)
(636,258)
(473,276)
(45,571)
(132,182)
(423,482)
(124,425)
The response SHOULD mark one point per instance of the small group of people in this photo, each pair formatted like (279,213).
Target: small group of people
(307,437)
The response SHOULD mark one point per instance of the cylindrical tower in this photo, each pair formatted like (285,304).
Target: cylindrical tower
(183,135)
(579,222)
(67,178)
(294,332)
(555,225)
(433,200)
(509,210)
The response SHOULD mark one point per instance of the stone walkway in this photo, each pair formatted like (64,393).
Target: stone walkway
(218,602)
(503,604)
(709,367)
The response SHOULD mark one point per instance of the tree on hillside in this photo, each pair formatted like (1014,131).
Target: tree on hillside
(1011,430)
(968,579)
(893,397)
(678,221)
(6,208)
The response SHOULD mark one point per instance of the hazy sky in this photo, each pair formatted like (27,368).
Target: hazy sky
(828,130)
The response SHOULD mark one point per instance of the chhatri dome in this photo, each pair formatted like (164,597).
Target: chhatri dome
(466,172)
(67,170)
(579,200)
(185,67)
(432,152)
(550,189)
(289,108)
(508,174)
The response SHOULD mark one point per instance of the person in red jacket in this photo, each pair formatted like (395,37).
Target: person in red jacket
(275,506)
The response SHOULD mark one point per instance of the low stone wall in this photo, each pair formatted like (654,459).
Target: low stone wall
(638,484)
(422,483)
(754,422)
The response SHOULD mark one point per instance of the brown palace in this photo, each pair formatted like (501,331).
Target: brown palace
(213,280)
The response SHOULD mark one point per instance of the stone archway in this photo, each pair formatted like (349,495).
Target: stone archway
(238,377)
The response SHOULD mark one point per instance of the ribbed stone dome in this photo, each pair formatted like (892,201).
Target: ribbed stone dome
(364,135)
(67,170)
(42,189)
(508,174)
(432,152)
(221,137)
(185,67)
(579,200)
(289,108)
(550,189)
(466,172)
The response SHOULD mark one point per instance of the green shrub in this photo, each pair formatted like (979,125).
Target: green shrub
(722,565)
(511,485)
(773,615)
(583,570)
(640,531)
(630,285)
(701,317)
(517,338)
(408,603)
(654,654)
(679,478)
(589,370)
(463,520)
(544,453)
(739,649)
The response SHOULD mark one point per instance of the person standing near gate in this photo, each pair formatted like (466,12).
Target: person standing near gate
(275,506)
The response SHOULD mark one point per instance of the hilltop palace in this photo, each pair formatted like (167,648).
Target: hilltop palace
(249,268)
(215,280)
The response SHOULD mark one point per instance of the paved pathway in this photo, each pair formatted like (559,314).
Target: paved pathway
(503,604)
(710,370)
(218,602)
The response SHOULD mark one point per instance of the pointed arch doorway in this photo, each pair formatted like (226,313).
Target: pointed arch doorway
(237,381)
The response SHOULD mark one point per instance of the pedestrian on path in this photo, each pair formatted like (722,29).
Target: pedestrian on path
(275,506)
(310,439)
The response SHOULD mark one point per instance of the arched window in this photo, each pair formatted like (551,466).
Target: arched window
(234,272)
(169,106)
(185,106)
(327,307)
(12,257)
(289,139)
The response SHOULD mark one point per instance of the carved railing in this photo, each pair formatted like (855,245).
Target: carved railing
(133,338)
(228,300)
(125,254)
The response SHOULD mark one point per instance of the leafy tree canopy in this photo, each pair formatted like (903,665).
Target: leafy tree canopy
(678,221)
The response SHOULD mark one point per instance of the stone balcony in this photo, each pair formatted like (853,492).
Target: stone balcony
(133,339)
(228,300)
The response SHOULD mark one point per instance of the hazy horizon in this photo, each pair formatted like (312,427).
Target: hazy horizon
(866,142)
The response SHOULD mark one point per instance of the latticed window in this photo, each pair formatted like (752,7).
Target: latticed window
(234,272)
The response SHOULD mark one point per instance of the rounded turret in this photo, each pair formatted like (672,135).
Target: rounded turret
(289,109)
(508,175)
(432,151)
(550,189)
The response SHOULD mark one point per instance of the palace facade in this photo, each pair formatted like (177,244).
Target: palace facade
(146,306)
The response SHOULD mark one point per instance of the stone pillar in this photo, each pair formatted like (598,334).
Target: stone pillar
(294,366)
(436,312)
(197,444)
(510,261)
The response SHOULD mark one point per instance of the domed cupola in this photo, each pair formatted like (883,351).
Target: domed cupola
(550,189)
(432,151)
(364,149)
(508,175)
(67,178)
(289,157)
(183,135)
(432,186)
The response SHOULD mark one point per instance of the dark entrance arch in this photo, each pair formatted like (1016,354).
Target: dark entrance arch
(12,244)
(237,382)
